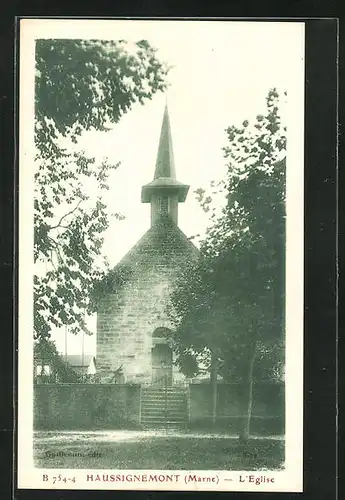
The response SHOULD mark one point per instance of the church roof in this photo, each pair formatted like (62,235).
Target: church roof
(164,237)
(165,174)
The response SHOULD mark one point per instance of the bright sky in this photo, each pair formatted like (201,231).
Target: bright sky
(221,74)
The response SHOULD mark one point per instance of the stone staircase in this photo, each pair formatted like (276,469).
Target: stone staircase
(163,408)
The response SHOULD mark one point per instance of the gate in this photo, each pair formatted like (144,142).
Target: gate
(163,405)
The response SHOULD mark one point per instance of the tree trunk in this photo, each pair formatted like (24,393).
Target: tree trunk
(248,400)
(214,388)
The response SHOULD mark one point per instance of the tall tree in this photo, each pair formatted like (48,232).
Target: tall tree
(230,305)
(81,85)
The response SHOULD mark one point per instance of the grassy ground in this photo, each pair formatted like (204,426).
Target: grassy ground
(169,452)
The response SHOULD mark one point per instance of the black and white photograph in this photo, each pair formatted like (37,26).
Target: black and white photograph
(161,255)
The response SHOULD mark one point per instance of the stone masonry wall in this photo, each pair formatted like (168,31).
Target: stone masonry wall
(127,319)
(86,406)
(268,410)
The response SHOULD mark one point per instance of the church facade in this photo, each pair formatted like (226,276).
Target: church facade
(132,320)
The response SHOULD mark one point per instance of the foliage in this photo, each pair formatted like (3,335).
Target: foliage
(270,361)
(110,281)
(231,303)
(81,85)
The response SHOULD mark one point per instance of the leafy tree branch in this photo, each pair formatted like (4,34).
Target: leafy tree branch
(230,306)
(81,85)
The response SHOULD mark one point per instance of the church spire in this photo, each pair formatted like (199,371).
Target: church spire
(165,166)
(164,192)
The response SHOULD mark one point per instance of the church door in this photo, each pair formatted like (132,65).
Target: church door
(162,365)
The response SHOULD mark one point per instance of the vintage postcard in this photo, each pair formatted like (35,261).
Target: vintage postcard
(161,255)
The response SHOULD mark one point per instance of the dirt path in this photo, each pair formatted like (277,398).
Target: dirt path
(128,436)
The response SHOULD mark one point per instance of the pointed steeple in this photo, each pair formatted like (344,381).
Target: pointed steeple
(164,192)
(165,166)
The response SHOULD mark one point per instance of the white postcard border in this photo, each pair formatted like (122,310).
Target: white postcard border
(290,479)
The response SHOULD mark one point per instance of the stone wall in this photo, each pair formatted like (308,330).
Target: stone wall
(267,412)
(86,406)
(117,406)
(128,317)
(126,322)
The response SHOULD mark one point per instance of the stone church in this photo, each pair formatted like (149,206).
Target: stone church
(132,322)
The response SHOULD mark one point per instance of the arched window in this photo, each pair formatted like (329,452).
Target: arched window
(161,333)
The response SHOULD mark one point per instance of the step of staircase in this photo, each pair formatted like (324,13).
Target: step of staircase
(163,408)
